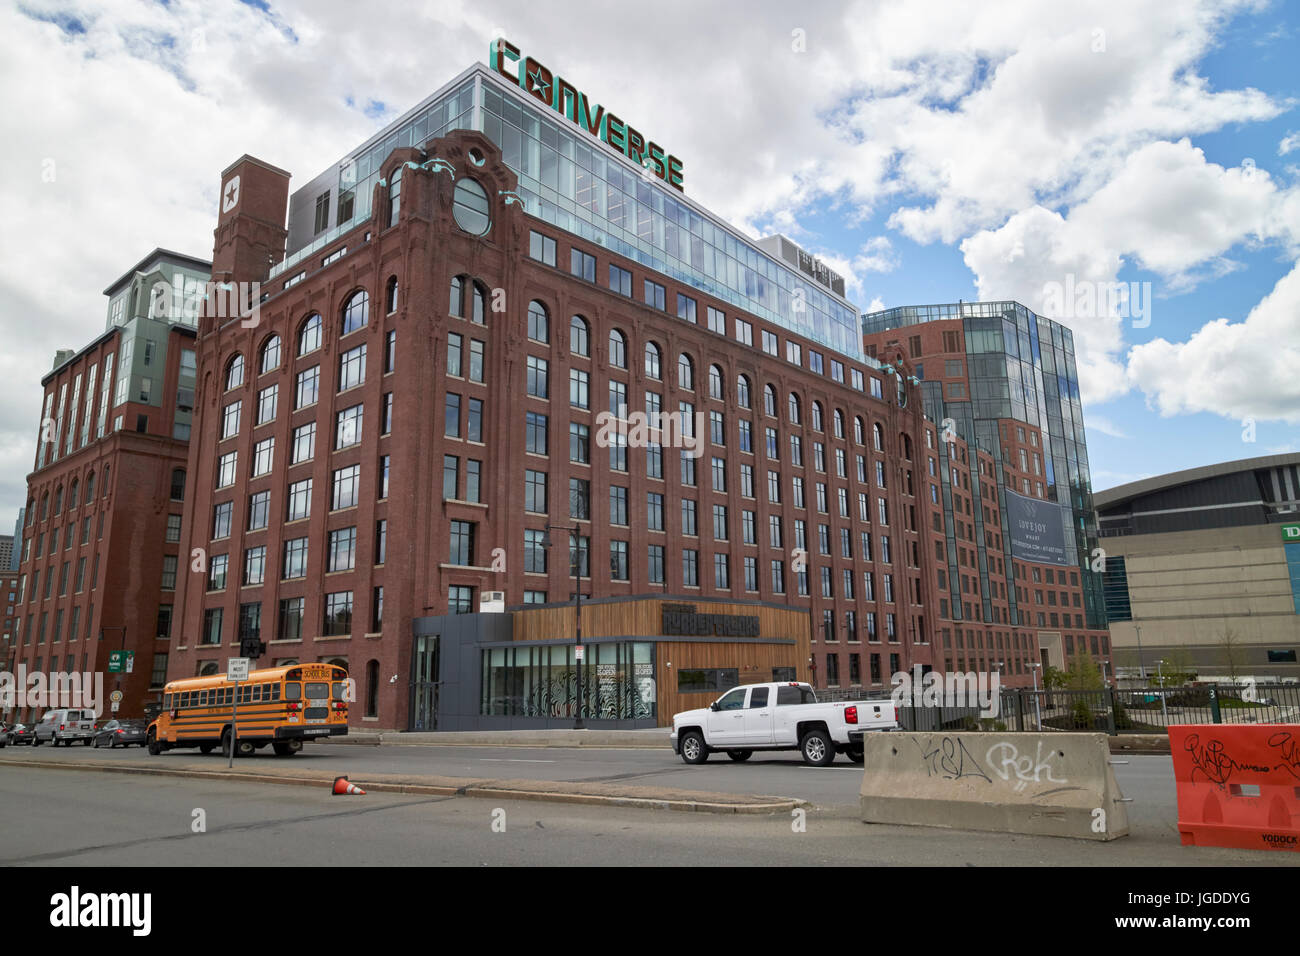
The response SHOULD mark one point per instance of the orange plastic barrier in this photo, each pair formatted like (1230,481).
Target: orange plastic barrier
(1238,786)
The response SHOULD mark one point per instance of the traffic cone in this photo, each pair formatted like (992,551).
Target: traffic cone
(343,788)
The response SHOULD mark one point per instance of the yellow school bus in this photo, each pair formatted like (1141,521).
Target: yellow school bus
(280,706)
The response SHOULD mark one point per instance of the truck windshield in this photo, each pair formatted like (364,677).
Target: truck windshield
(795,695)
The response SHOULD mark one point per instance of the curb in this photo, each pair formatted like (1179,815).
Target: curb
(471,789)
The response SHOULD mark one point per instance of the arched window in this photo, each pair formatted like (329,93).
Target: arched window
(539,325)
(878,436)
(356,311)
(235,372)
(394,196)
(817,422)
(372,688)
(73,489)
(309,334)
(90,488)
(207,669)
(178,484)
(859,433)
(58,499)
(390,295)
(457,306)
(742,391)
(839,423)
(617,349)
(716,388)
(479,314)
(579,336)
(685,371)
(653,364)
(270,355)
(796,410)
(769,400)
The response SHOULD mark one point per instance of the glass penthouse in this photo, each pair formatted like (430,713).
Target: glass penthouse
(573,180)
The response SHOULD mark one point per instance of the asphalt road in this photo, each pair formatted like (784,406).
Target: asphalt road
(92,818)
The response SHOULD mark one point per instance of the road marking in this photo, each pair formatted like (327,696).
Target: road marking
(804,766)
(511,760)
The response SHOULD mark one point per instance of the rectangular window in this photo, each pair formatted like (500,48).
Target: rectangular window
(717,320)
(451,426)
(299,500)
(291,617)
(655,295)
(541,247)
(307,388)
(255,565)
(221,515)
(346,487)
(620,280)
(535,433)
(654,511)
(338,613)
(267,402)
(304,443)
(264,456)
(295,559)
(582,265)
(461,548)
(348,429)
(685,307)
(535,499)
(745,336)
(381,540)
(342,552)
(259,510)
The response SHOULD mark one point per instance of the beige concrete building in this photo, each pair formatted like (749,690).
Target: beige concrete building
(1202,570)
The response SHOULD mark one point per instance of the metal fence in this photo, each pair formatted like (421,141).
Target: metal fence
(1111,711)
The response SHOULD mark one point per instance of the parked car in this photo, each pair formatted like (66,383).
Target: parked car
(21,734)
(779,716)
(121,733)
(65,726)
(4,734)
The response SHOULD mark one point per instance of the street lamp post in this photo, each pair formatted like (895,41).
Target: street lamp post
(1164,707)
(1038,710)
(1142,670)
(575,561)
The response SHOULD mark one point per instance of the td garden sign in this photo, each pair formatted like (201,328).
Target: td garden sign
(561,95)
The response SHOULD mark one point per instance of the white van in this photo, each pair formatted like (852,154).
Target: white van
(65,726)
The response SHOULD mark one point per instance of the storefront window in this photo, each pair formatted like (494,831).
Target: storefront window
(541,681)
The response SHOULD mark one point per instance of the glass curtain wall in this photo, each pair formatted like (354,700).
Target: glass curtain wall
(540,680)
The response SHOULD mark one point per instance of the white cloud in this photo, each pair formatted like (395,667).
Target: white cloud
(1099,423)
(1290,141)
(1239,370)
(967,119)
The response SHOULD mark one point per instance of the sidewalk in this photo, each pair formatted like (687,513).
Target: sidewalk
(554,791)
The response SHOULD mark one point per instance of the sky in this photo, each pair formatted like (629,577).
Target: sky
(1057,154)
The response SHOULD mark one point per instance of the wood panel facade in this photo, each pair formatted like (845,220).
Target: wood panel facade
(782,639)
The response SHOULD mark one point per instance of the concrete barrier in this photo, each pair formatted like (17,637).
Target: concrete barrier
(1050,784)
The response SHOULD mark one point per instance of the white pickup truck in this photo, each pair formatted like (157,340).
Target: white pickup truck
(782,716)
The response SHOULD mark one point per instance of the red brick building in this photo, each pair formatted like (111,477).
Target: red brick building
(390,434)
(100,542)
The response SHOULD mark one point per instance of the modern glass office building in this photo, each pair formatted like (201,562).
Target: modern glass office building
(1008,375)
(581,185)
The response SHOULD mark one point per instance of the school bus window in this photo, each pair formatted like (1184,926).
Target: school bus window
(339,690)
(293,691)
(318,691)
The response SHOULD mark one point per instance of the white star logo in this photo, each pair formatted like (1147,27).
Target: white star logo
(230,195)
(537,83)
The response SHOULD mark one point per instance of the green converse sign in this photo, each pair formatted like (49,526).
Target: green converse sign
(560,95)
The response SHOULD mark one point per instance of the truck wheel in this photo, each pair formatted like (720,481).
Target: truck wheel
(693,749)
(206,748)
(151,743)
(817,748)
(855,754)
(740,756)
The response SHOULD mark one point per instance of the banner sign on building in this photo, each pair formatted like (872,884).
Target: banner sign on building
(1291,531)
(563,97)
(1037,530)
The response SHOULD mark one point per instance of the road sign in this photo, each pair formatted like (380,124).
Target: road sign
(578,652)
(116,696)
(237,668)
(120,661)
(114,706)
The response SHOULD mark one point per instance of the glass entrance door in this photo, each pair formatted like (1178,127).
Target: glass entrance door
(424,684)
